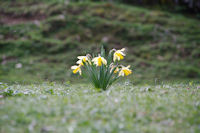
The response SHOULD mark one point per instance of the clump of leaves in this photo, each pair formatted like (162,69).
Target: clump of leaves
(8,92)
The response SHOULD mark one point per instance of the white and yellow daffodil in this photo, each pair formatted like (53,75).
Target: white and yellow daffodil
(125,71)
(98,61)
(116,70)
(76,69)
(82,59)
(119,54)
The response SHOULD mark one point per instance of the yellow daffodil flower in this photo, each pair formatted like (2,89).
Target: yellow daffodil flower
(125,71)
(76,69)
(116,70)
(119,54)
(82,59)
(99,60)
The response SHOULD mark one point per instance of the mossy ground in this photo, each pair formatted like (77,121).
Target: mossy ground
(46,36)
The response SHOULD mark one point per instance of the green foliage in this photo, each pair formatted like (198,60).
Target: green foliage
(125,107)
(103,76)
(44,36)
(6,91)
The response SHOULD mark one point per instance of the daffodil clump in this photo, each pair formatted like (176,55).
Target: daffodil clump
(102,70)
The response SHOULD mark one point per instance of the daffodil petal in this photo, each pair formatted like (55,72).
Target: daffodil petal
(80,57)
(73,67)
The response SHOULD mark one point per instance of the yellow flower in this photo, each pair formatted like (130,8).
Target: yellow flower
(82,59)
(99,60)
(76,69)
(125,71)
(116,70)
(119,54)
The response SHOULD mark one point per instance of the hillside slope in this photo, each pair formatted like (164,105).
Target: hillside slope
(40,40)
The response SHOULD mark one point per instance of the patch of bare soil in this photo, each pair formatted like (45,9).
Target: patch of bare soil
(10,19)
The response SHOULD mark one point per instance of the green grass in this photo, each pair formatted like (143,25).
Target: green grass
(159,43)
(125,107)
(46,36)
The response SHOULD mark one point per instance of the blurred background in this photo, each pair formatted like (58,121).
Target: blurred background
(40,39)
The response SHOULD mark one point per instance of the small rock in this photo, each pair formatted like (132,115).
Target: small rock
(62,17)
(18,65)
(32,125)
(36,22)
(1,36)
(105,39)
(47,129)
(116,100)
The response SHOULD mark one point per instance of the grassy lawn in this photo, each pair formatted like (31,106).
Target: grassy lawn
(46,37)
(40,40)
(125,107)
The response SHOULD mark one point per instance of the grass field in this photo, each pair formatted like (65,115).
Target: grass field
(45,37)
(125,107)
(40,40)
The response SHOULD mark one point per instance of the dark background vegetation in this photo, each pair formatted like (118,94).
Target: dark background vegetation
(40,39)
(183,6)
